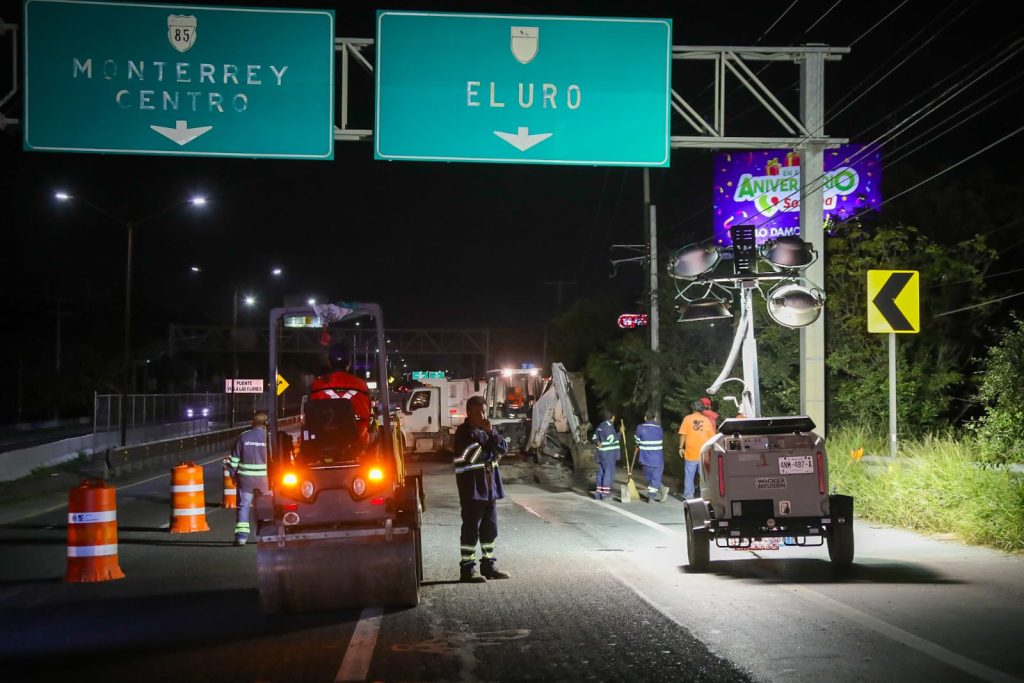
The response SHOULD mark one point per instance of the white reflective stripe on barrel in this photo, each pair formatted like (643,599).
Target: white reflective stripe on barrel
(92,550)
(92,517)
(230,492)
(187,488)
(190,512)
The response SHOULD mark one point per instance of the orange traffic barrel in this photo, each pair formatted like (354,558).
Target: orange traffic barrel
(188,502)
(92,533)
(230,493)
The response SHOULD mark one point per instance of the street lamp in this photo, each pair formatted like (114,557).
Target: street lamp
(129,226)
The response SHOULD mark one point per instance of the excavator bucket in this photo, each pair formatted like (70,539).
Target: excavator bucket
(311,572)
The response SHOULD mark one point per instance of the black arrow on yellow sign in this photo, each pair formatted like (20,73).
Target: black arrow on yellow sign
(885,301)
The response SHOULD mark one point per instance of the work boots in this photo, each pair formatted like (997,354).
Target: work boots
(469,574)
(489,571)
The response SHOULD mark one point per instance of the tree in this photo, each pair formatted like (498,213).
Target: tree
(1001,429)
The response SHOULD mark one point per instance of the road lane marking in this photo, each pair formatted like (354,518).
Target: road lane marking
(356,663)
(636,518)
(929,648)
(886,629)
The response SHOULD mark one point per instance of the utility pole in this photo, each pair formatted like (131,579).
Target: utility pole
(559,285)
(650,218)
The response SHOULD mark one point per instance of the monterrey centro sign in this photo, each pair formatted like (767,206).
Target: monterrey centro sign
(762,188)
(522,89)
(178,80)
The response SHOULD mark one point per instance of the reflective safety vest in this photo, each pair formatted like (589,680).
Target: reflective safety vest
(649,437)
(607,440)
(248,463)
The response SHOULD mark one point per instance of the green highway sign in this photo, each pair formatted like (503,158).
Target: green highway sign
(183,80)
(522,89)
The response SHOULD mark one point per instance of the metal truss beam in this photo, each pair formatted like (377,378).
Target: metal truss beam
(411,342)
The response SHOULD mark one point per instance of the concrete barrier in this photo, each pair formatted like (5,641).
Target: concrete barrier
(171,439)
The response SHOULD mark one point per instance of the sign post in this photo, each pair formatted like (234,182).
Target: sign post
(894,307)
(182,80)
(522,89)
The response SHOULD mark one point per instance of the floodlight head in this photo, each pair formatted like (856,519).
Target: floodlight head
(788,252)
(793,305)
(693,261)
(708,308)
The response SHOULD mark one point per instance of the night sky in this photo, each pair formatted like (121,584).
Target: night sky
(471,245)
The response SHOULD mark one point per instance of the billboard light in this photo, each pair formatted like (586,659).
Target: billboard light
(793,305)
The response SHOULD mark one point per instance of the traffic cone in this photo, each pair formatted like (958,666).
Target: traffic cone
(230,492)
(188,502)
(92,533)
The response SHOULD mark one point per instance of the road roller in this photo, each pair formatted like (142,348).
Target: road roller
(766,478)
(341,524)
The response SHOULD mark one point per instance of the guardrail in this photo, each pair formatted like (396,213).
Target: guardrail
(118,462)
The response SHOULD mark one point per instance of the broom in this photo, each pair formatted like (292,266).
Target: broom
(628,492)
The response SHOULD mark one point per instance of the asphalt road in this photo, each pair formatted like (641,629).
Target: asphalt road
(599,592)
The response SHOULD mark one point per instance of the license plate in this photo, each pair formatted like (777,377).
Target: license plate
(797,464)
(770,483)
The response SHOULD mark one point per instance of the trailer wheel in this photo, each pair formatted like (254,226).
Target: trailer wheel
(840,545)
(698,546)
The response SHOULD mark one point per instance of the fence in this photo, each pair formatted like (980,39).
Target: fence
(153,417)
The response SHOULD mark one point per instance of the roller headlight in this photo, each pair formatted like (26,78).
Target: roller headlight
(306,489)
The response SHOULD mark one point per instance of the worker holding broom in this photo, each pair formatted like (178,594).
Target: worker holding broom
(649,436)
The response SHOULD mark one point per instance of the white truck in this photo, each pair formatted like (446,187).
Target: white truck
(430,414)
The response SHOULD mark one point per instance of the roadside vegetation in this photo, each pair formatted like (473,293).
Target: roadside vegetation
(936,484)
(960,386)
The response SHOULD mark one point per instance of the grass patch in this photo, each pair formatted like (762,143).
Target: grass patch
(937,484)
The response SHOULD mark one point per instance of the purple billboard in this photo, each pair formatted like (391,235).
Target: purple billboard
(762,188)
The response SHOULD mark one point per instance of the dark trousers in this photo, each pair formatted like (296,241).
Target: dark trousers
(479,523)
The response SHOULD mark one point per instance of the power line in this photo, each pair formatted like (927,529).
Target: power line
(950,168)
(983,277)
(876,82)
(818,20)
(983,303)
(893,11)
(774,23)
(892,162)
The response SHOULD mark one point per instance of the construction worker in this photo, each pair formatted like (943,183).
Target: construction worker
(339,383)
(694,431)
(649,437)
(607,440)
(248,467)
(478,447)
(708,412)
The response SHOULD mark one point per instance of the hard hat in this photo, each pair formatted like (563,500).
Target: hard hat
(706,401)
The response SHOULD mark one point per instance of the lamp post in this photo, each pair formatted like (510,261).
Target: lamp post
(130,227)
(249,301)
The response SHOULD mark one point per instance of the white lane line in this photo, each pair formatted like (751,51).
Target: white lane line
(637,518)
(903,637)
(877,625)
(356,663)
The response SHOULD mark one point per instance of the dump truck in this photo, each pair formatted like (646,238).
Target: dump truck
(432,412)
(341,524)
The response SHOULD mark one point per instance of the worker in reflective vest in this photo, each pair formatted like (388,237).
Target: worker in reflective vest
(478,447)
(248,467)
(607,440)
(649,438)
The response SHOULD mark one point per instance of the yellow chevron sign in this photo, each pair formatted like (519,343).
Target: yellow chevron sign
(282,384)
(894,301)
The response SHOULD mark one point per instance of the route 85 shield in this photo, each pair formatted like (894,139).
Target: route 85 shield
(525,40)
(181,31)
